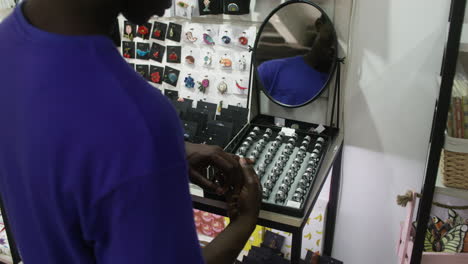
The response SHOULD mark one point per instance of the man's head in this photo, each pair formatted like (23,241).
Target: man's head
(140,11)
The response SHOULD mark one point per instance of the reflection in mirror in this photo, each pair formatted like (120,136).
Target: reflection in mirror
(296,54)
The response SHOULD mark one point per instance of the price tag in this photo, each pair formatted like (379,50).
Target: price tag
(195,190)
(288,131)
(293,204)
(281,122)
(320,129)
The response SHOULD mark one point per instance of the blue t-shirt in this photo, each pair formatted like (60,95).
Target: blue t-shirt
(92,158)
(290,80)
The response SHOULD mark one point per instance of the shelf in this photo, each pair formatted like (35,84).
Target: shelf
(454,192)
(446,258)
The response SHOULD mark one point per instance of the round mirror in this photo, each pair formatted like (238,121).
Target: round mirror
(295,54)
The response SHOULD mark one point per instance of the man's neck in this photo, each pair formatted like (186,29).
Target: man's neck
(70,17)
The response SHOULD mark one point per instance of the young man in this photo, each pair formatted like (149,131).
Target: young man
(93,166)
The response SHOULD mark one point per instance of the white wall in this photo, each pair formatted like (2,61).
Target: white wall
(390,91)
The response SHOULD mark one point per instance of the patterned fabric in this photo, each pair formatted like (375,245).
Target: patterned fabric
(4,247)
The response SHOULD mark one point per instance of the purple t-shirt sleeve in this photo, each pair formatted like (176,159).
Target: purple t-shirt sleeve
(266,72)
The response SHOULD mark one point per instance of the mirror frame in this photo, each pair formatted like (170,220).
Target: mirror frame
(257,40)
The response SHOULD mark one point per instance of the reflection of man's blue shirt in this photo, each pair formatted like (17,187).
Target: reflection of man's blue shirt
(290,80)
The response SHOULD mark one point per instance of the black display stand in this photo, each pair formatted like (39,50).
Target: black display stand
(457,13)
(291,224)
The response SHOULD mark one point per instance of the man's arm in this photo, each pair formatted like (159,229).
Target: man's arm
(243,210)
(229,172)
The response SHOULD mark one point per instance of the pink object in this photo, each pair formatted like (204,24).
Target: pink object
(445,258)
(207,230)
(207,217)
(218,226)
(405,247)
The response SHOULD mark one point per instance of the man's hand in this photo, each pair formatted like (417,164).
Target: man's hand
(246,204)
(229,173)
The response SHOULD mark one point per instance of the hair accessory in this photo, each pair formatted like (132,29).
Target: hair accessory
(127,53)
(190,36)
(155,77)
(204,84)
(207,59)
(240,87)
(242,64)
(172,77)
(129,32)
(233,7)
(142,53)
(222,87)
(189,82)
(190,59)
(207,5)
(225,62)
(171,32)
(157,33)
(143,30)
(182,4)
(156,54)
(208,39)
(243,40)
(226,39)
(173,56)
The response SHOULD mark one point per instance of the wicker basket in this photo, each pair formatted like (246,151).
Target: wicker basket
(455,163)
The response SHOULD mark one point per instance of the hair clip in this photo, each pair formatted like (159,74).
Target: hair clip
(225,62)
(183,4)
(127,53)
(143,30)
(242,88)
(190,59)
(129,32)
(142,53)
(171,32)
(243,40)
(207,5)
(207,38)
(203,85)
(242,63)
(222,86)
(190,37)
(173,56)
(155,77)
(207,60)
(189,82)
(157,33)
(172,77)
(156,54)
(233,7)
(226,39)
